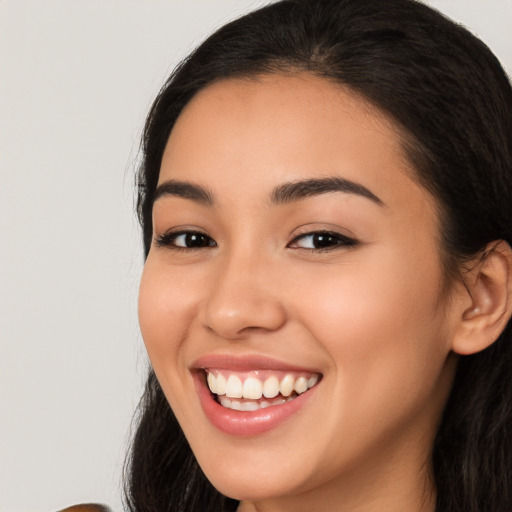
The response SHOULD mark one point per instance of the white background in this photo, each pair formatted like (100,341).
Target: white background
(76,80)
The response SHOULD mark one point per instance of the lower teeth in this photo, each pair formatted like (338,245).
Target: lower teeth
(253,405)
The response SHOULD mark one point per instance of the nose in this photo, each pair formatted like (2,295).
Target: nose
(243,299)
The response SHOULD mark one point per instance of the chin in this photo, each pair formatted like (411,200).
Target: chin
(253,485)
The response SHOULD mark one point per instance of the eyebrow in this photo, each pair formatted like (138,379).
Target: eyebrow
(285,193)
(293,191)
(184,189)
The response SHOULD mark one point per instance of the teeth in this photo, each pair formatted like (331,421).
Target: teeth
(238,405)
(271,387)
(221,384)
(301,385)
(255,388)
(212,383)
(234,387)
(286,386)
(252,388)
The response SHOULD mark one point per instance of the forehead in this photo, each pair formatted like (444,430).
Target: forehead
(252,133)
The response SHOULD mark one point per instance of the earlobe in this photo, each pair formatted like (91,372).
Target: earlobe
(489,285)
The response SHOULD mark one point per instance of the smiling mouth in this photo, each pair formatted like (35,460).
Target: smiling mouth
(257,389)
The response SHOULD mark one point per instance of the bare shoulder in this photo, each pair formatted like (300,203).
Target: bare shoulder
(87,507)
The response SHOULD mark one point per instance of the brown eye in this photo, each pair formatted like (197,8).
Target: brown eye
(322,240)
(186,240)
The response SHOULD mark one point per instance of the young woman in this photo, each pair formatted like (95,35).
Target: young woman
(326,202)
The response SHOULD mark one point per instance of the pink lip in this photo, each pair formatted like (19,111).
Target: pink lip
(245,423)
(245,363)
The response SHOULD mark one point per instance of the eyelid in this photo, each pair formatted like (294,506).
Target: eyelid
(322,227)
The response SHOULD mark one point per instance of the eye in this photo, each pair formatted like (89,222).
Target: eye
(185,240)
(322,241)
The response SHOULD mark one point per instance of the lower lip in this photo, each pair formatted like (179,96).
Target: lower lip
(246,423)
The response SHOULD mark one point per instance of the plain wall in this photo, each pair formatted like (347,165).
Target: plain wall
(76,80)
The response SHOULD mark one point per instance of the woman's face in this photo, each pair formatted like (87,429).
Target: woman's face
(296,259)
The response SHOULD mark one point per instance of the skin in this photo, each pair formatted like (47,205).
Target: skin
(373,318)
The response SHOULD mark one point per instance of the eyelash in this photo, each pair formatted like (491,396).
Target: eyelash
(169,239)
(334,241)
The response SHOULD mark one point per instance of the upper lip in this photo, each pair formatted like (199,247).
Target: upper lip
(246,363)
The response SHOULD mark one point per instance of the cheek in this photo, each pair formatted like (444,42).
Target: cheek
(167,308)
(165,311)
(381,324)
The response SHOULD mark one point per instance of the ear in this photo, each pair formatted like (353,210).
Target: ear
(489,285)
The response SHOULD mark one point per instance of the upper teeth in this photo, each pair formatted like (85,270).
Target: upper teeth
(253,385)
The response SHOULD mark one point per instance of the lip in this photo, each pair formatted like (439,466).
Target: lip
(245,423)
(246,363)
